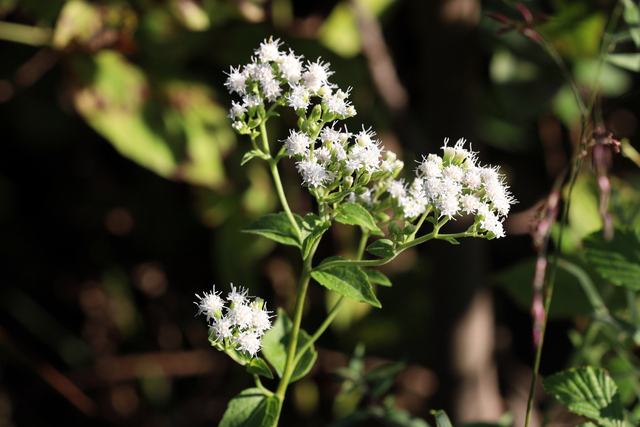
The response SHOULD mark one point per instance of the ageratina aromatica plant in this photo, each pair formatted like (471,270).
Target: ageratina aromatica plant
(354,181)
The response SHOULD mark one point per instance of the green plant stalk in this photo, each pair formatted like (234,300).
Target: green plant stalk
(273,168)
(336,307)
(575,167)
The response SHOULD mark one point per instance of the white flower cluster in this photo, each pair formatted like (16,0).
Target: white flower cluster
(277,76)
(455,184)
(241,325)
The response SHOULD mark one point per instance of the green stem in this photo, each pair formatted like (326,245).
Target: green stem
(295,330)
(336,307)
(25,34)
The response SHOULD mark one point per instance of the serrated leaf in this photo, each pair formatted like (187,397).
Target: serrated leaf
(349,281)
(375,276)
(354,214)
(618,260)
(276,341)
(276,227)
(251,408)
(382,248)
(259,367)
(589,392)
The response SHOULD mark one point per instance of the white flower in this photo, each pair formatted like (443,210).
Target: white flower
(290,67)
(237,110)
(316,75)
(298,97)
(268,50)
(297,143)
(261,320)
(210,304)
(237,297)
(249,341)
(396,189)
(222,328)
(312,172)
(237,81)
(241,315)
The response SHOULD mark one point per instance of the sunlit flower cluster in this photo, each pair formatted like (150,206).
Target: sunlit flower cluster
(274,76)
(240,325)
(453,185)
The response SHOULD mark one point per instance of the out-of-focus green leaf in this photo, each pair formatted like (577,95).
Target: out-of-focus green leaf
(175,128)
(190,14)
(442,420)
(617,260)
(612,81)
(375,276)
(631,16)
(251,408)
(93,27)
(340,32)
(587,391)
(629,61)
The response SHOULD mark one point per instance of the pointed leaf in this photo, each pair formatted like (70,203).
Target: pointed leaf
(250,155)
(382,248)
(629,61)
(587,391)
(276,227)
(375,276)
(618,260)
(349,281)
(259,367)
(354,214)
(442,420)
(251,408)
(276,341)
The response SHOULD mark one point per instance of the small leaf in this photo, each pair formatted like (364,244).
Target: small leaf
(442,420)
(349,281)
(382,248)
(383,377)
(251,408)
(375,276)
(276,227)
(259,367)
(276,341)
(617,260)
(449,239)
(353,214)
(589,392)
(250,155)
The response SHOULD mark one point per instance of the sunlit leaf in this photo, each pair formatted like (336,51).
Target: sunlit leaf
(349,281)
(589,392)
(251,408)
(354,214)
(259,367)
(276,227)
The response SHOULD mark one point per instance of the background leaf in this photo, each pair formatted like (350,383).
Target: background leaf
(617,260)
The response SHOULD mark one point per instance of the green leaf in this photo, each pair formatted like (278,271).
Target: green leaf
(629,61)
(382,248)
(442,420)
(276,227)
(449,239)
(618,260)
(250,155)
(383,377)
(589,392)
(312,230)
(349,281)
(353,214)
(631,16)
(251,408)
(276,341)
(171,127)
(259,367)
(375,276)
